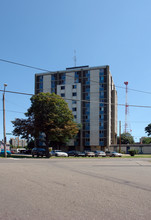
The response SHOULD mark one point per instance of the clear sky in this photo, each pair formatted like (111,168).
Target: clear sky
(45,33)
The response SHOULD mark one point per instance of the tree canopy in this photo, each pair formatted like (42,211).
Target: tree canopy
(48,114)
(126,138)
(146,140)
(148,129)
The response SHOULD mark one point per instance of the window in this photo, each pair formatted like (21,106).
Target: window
(101,139)
(101,94)
(74,102)
(74,86)
(102,78)
(101,124)
(75,116)
(74,109)
(101,71)
(62,87)
(62,95)
(74,94)
(101,116)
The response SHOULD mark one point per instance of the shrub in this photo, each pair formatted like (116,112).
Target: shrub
(132,152)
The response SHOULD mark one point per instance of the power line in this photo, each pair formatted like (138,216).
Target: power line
(80,100)
(24,65)
(12,111)
(45,70)
(19,93)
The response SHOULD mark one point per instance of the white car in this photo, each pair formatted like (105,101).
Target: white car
(100,153)
(58,153)
(113,154)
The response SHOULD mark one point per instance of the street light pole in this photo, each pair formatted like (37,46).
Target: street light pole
(4,127)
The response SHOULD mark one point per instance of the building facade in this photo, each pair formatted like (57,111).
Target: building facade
(91,95)
(16,142)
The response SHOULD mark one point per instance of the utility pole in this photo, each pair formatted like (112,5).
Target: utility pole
(119,136)
(4,123)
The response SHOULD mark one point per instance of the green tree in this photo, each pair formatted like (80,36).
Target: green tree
(126,138)
(146,140)
(148,129)
(48,114)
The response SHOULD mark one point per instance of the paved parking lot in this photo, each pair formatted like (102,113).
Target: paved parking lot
(64,188)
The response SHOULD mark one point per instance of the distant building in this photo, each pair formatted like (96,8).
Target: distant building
(16,142)
(91,95)
(2,146)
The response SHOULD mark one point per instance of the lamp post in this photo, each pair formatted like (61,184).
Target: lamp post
(4,127)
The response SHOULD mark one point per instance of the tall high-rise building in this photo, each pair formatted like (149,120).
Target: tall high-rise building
(91,95)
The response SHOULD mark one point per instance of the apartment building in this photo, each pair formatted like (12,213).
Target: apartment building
(16,142)
(91,95)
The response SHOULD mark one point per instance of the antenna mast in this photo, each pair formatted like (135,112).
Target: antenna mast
(126,108)
(75,58)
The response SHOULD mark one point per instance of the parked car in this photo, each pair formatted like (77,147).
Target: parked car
(100,153)
(2,153)
(58,153)
(76,153)
(89,154)
(40,152)
(28,151)
(71,153)
(79,154)
(113,154)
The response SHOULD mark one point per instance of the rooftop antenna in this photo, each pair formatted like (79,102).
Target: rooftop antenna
(75,58)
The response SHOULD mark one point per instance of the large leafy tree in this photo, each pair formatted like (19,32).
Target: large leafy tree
(126,138)
(146,140)
(48,114)
(148,129)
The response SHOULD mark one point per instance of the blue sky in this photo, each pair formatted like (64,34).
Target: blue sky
(45,33)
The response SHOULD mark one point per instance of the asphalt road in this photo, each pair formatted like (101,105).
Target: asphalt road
(66,189)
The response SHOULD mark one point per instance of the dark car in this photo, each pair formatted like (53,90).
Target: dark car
(76,153)
(40,152)
(71,153)
(79,154)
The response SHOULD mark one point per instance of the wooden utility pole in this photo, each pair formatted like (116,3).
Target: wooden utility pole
(119,136)
(4,123)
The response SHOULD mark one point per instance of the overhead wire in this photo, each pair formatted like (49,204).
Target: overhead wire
(41,69)
(46,70)
(80,100)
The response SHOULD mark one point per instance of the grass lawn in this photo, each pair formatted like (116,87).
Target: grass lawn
(138,156)
(72,157)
